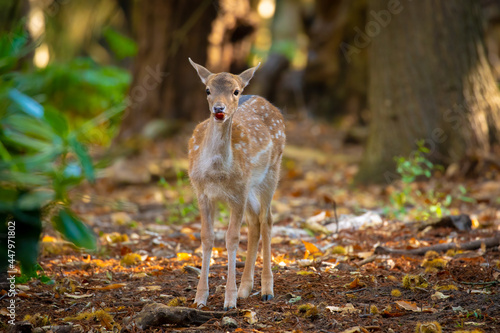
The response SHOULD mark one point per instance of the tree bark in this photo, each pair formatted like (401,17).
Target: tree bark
(333,82)
(164,84)
(429,79)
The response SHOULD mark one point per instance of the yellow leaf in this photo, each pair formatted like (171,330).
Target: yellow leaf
(305,273)
(183,256)
(131,259)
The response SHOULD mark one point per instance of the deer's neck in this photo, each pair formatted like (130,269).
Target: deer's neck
(217,144)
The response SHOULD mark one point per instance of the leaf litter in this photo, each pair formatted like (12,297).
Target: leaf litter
(327,274)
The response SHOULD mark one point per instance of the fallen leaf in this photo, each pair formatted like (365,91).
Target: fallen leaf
(349,308)
(294,299)
(78,296)
(305,262)
(355,284)
(311,248)
(439,295)
(305,273)
(110,286)
(409,306)
(250,316)
(182,256)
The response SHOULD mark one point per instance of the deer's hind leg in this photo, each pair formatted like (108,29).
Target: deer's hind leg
(247,278)
(266,224)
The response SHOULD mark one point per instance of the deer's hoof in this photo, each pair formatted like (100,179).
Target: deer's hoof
(227,308)
(267,297)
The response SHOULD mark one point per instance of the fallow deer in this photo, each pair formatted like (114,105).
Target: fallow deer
(234,157)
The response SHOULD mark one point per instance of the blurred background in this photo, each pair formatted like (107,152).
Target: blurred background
(367,80)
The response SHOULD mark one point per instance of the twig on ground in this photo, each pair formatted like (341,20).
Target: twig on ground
(474,245)
(479,283)
(157,314)
(355,291)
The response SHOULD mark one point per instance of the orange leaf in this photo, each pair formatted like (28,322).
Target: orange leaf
(409,306)
(110,286)
(311,247)
(356,284)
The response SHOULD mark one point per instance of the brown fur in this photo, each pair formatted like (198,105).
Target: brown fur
(237,161)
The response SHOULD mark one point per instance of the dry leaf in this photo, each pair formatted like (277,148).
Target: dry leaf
(78,296)
(250,316)
(110,286)
(409,306)
(355,284)
(439,295)
(182,256)
(349,308)
(311,248)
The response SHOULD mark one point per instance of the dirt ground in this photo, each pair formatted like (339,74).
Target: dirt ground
(325,281)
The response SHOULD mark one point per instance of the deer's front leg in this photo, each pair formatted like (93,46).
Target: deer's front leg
(232,242)
(207,243)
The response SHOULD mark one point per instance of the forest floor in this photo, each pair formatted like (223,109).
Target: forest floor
(324,280)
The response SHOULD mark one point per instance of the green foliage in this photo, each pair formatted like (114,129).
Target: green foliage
(81,89)
(181,210)
(409,200)
(121,45)
(41,152)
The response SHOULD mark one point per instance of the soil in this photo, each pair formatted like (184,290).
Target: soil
(149,252)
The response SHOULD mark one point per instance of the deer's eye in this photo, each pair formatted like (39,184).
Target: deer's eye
(236,92)
(207,91)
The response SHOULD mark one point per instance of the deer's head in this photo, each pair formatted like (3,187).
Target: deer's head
(223,90)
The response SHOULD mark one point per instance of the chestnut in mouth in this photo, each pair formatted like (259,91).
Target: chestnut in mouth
(220,115)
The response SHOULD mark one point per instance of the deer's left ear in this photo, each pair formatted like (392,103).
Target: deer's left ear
(247,75)
(203,73)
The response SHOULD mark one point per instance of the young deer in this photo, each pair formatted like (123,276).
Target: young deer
(234,157)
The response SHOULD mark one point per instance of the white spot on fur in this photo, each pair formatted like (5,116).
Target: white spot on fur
(196,147)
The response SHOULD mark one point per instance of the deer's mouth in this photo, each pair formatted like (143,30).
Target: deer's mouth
(219,116)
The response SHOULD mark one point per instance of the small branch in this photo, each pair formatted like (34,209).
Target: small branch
(157,314)
(355,291)
(479,283)
(474,245)
(366,261)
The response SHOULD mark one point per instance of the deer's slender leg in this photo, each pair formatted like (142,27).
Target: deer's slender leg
(247,278)
(232,242)
(207,243)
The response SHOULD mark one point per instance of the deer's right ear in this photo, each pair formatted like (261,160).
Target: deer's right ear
(203,73)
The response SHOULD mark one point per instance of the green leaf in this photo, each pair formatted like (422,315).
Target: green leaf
(121,45)
(462,189)
(57,121)
(83,157)
(74,230)
(447,200)
(467,199)
(34,200)
(26,103)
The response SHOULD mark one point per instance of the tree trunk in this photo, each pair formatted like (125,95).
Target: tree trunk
(429,79)
(335,83)
(164,83)
(165,86)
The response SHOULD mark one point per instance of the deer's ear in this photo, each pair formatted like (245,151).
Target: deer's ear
(203,73)
(247,75)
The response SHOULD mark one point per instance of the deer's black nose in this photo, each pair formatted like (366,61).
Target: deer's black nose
(218,109)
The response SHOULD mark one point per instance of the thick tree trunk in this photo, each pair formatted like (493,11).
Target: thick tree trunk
(165,86)
(335,83)
(164,83)
(429,79)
